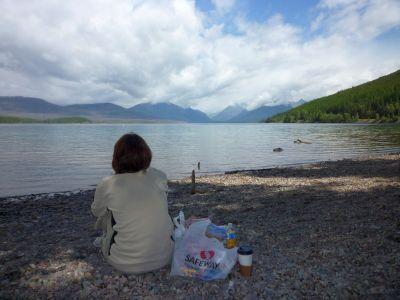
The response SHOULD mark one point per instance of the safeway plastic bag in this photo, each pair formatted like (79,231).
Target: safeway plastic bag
(179,223)
(196,255)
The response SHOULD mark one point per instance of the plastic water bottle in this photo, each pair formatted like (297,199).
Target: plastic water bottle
(230,236)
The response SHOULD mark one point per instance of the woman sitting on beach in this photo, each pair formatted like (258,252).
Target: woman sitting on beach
(132,209)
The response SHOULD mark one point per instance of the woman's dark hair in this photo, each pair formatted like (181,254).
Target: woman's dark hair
(131,154)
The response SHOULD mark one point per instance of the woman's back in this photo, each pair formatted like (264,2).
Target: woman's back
(143,227)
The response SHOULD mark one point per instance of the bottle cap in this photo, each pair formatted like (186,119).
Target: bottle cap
(245,250)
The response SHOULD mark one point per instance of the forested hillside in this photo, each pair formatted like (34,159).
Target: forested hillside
(377,100)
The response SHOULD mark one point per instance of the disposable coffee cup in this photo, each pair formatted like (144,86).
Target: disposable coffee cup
(245,256)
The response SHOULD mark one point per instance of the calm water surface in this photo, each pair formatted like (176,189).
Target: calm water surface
(49,157)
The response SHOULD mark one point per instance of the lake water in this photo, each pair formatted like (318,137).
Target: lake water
(44,158)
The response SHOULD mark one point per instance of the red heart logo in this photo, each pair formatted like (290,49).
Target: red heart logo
(207,254)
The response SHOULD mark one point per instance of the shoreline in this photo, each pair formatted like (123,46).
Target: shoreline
(92,187)
(327,229)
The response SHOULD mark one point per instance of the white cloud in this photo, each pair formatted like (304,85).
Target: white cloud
(361,19)
(223,6)
(316,24)
(129,52)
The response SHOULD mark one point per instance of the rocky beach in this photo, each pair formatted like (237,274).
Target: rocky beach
(325,230)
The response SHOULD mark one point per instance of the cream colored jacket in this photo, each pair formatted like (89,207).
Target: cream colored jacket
(143,228)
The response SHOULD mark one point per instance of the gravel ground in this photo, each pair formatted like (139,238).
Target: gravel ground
(327,230)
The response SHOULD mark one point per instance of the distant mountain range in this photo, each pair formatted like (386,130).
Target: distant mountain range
(259,114)
(101,110)
(238,114)
(169,111)
(39,108)
(298,103)
(376,101)
(21,105)
(149,112)
(228,113)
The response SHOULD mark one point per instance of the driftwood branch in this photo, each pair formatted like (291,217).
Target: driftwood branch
(193,183)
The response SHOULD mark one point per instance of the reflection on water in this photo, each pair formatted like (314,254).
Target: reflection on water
(47,158)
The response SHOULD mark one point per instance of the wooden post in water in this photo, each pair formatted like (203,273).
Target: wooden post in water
(193,183)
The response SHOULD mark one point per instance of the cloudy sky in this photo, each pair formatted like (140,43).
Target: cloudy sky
(206,54)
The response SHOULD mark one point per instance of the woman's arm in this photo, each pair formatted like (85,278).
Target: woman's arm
(99,205)
(160,179)
(163,182)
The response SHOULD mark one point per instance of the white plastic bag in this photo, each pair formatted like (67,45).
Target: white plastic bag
(196,255)
(179,222)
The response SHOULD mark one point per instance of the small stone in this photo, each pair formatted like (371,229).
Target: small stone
(377,290)
(4,282)
(87,274)
(86,284)
(99,282)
